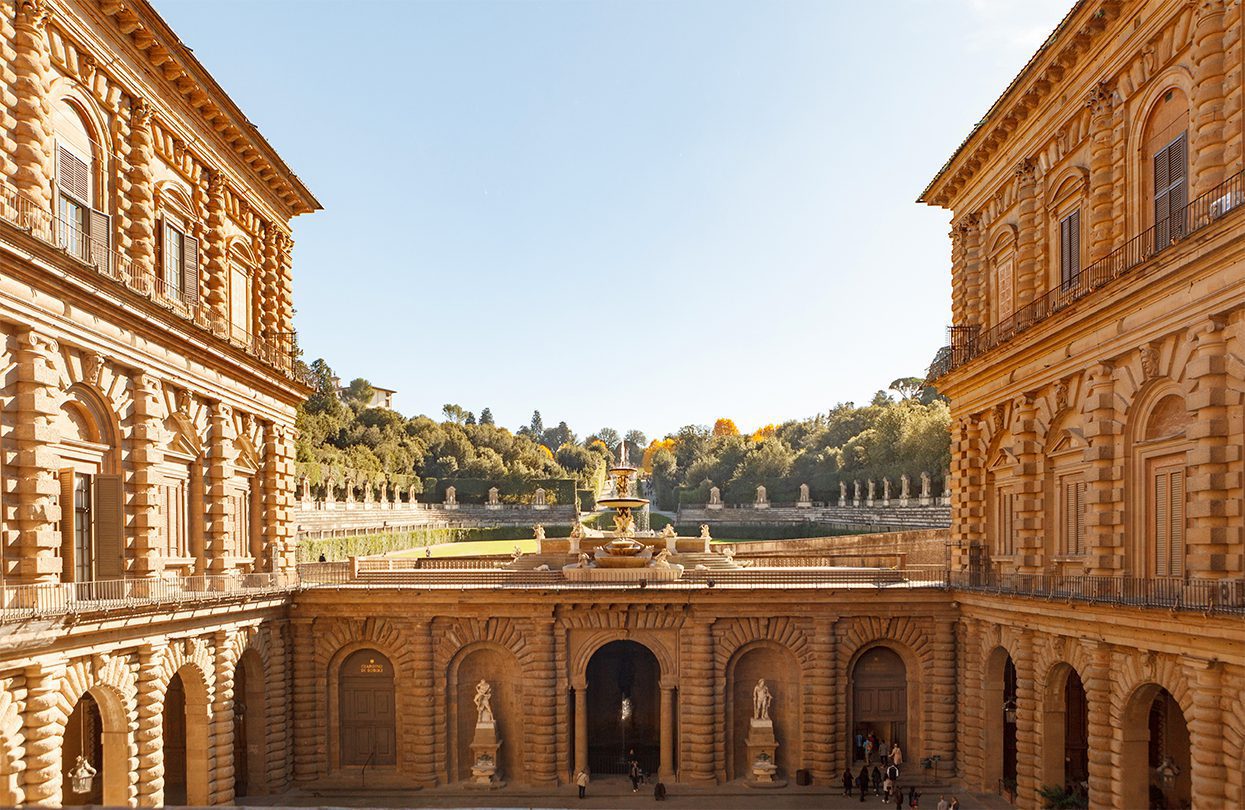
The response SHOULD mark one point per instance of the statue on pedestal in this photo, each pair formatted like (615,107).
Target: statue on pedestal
(484,743)
(715,498)
(762,699)
(805,500)
(762,498)
(761,742)
(842,493)
(484,702)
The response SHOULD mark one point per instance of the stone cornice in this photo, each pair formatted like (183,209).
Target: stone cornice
(185,77)
(1075,34)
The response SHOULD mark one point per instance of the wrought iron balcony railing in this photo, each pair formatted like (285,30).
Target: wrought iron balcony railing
(278,351)
(1202,595)
(966,343)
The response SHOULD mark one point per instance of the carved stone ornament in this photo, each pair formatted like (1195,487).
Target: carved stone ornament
(184,401)
(1101,97)
(999,414)
(92,369)
(1026,169)
(1149,362)
(33,13)
(140,113)
(1061,395)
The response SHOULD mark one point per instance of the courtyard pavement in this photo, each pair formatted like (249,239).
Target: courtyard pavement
(615,792)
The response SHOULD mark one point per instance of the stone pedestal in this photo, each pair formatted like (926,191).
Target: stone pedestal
(762,747)
(485,769)
(713,506)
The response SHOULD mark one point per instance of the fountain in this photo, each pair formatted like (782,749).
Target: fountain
(622,556)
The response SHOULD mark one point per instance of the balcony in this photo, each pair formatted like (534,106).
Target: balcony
(1207,596)
(966,343)
(279,352)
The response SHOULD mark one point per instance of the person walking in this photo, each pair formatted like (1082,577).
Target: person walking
(862,782)
(581,779)
(914,799)
(942,803)
(634,772)
(888,789)
(896,756)
(847,782)
(877,781)
(955,803)
(899,798)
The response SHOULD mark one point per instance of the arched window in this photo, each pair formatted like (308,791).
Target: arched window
(1160,451)
(1165,166)
(82,228)
(92,515)
(1003,275)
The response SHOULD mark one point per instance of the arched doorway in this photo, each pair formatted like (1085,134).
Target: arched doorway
(249,728)
(623,708)
(499,668)
(84,738)
(781,671)
(1065,731)
(185,734)
(879,701)
(1156,762)
(999,707)
(365,706)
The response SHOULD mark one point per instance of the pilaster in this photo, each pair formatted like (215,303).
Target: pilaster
(308,724)
(1213,483)
(140,193)
(1101,103)
(422,751)
(220,774)
(1027,708)
(820,724)
(976,307)
(1026,239)
(697,705)
(940,729)
(1103,497)
(44,729)
(1209,771)
(1234,89)
(1101,735)
(1207,137)
(33,133)
(285,285)
(150,733)
(969,737)
(541,747)
(278,498)
(268,313)
(1029,515)
(35,433)
(218,522)
(216,262)
(145,454)
(278,725)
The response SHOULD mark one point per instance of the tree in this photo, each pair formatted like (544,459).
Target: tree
(725,427)
(486,416)
(537,426)
(470,419)
(610,437)
(454,413)
(636,438)
(558,436)
(908,387)
(359,393)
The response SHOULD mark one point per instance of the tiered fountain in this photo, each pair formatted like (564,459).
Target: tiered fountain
(622,557)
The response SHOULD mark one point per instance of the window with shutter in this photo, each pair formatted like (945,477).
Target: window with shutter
(65,478)
(1070,249)
(1005,543)
(1080,519)
(1168,519)
(1171,191)
(109,526)
(100,233)
(190,270)
(73,176)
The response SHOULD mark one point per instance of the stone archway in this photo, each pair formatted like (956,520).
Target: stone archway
(623,708)
(186,730)
(1155,766)
(780,668)
(499,667)
(367,728)
(999,706)
(97,730)
(1065,730)
(879,700)
(250,744)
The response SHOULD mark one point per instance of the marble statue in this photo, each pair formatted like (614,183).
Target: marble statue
(842,493)
(704,531)
(538,531)
(804,496)
(451,496)
(925,486)
(904,486)
(886,489)
(577,531)
(518,552)
(668,532)
(728,551)
(762,698)
(492,496)
(761,497)
(872,488)
(715,496)
(662,559)
(583,560)
(856,491)
(484,702)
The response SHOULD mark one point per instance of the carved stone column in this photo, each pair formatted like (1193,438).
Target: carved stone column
(1027,706)
(269,315)
(1101,105)
(959,271)
(1030,539)
(278,686)
(821,723)
(697,704)
(145,454)
(1100,736)
(1209,772)
(278,497)
(666,770)
(140,194)
(1207,136)
(1213,491)
(32,69)
(940,730)
(968,724)
(1234,98)
(1103,496)
(541,749)
(1027,233)
(285,284)
(218,523)
(307,762)
(150,733)
(967,487)
(423,753)
(44,728)
(581,726)
(216,262)
(35,462)
(976,305)
(220,774)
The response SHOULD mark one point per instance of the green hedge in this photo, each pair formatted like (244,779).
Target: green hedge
(587,499)
(763,531)
(341,548)
(475,490)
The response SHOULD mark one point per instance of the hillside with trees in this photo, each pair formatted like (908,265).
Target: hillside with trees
(342,437)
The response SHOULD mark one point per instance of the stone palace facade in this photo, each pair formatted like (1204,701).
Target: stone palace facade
(1082,627)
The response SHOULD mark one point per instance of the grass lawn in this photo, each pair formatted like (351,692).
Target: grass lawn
(470,548)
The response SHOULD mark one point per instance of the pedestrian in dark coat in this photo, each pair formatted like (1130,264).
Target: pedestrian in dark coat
(847,782)
(862,782)
(877,781)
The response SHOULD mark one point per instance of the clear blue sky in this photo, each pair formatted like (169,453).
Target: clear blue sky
(631,214)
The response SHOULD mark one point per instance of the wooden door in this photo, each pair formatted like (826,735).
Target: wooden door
(366,710)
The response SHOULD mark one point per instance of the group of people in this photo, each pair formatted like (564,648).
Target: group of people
(885,783)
